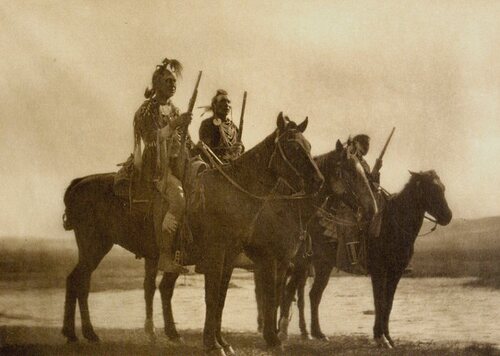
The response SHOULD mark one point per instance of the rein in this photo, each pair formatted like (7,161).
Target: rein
(410,234)
(270,195)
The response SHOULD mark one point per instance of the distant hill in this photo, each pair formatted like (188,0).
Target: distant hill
(462,234)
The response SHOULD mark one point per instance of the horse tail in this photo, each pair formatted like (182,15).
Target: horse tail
(68,216)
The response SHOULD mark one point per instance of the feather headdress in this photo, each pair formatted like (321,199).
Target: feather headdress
(172,66)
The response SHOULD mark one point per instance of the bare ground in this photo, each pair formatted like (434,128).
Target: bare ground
(19,340)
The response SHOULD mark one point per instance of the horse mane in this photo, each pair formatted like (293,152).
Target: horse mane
(407,190)
(412,182)
(265,145)
(324,163)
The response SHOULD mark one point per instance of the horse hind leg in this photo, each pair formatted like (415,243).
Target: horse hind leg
(321,279)
(167,286)
(72,282)
(89,261)
(150,271)
(301,306)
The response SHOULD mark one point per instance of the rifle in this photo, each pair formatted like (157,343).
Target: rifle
(240,130)
(182,154)
(382,153)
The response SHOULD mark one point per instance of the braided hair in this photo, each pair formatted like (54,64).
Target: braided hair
(171,66)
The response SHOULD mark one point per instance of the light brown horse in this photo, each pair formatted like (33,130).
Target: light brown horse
(100,219)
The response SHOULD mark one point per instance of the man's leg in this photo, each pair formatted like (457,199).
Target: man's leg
(169,225)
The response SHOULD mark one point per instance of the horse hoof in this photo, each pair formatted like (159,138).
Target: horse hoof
(229,350)
(283,329)
(306,336)
(178,340)
(283,336)
(321,337)
(70,336)
(91,336)
(278,349)
(149,327)
(216,352)
(152,338)
(71,339)
(382,342)
(94,339)
(391,342)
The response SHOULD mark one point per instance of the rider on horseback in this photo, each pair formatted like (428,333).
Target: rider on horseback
(159,124)
(219,132)
(362,145)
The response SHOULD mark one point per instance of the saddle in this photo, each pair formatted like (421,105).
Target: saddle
(340,227)
(128,186)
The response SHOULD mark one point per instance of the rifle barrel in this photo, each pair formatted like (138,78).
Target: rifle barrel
(386,144)
(242,115)
(192,101)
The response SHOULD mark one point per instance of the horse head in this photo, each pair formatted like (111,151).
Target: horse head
(430,193)
(291,159)
(347,180)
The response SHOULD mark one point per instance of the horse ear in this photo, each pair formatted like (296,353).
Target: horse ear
(303,125)
(281,122)
(414,174)
(338,146)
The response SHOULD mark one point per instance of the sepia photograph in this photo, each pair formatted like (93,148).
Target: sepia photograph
(235,177)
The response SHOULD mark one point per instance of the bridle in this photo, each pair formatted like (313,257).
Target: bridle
(278,148)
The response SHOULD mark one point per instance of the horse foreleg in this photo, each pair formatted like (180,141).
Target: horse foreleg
(301,285)
(321,279)
(393,279)
(213,267)
(167,286)
(150,271)
(72,282)
(379,284)
(226,278)
(258,297)
(269,280)
(286,301)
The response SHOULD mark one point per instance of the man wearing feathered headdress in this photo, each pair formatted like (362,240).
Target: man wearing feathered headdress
(219,132)
(158,123)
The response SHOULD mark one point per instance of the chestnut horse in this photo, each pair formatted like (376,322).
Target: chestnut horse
(233,198)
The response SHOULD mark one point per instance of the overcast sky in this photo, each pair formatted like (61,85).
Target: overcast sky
(72,74)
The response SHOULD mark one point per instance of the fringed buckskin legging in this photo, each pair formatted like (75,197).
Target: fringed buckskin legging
(174,194)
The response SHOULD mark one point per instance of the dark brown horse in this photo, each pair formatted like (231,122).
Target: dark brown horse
(233,198)
(283,231)
(388,254)
(278,234)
